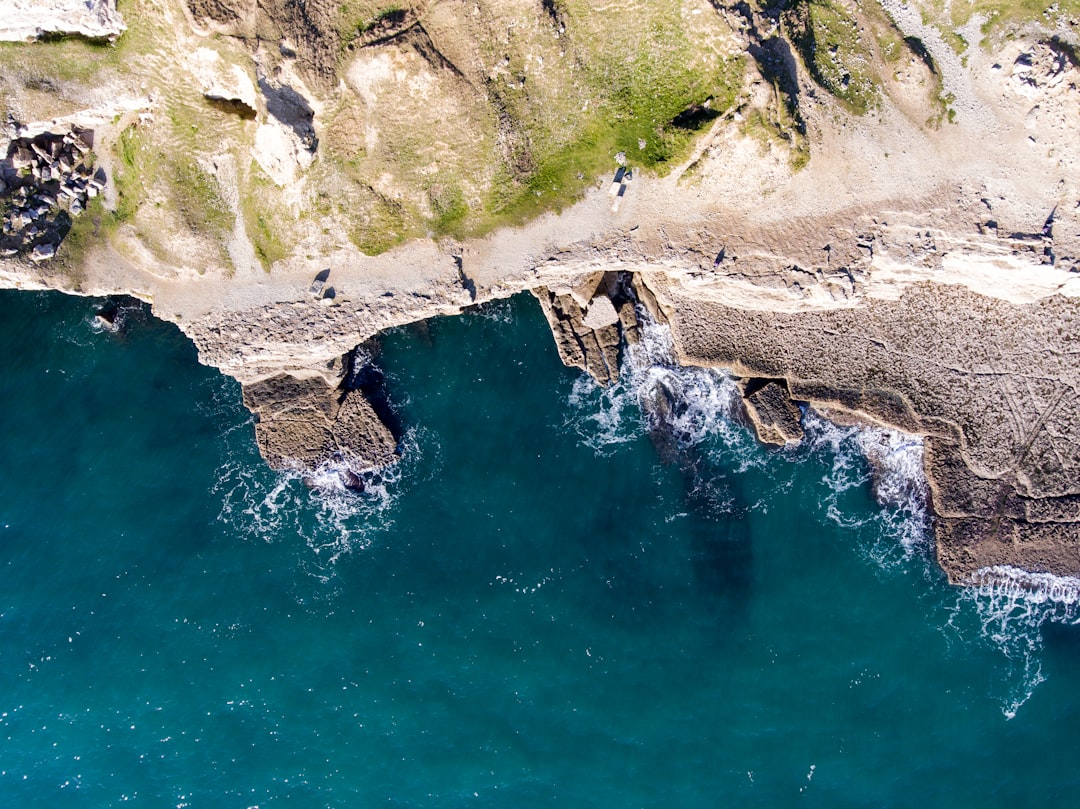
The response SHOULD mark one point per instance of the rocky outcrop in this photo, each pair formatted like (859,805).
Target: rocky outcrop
(307,419)
(303,422)
(306,30)
(776,419)
(45,180)
(993,387)
(25,20)
(592,320)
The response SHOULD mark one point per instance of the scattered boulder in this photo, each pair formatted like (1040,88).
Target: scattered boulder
(43,251)
(776,418)
(47,179)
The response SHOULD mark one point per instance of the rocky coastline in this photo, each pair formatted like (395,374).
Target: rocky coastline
(925,278)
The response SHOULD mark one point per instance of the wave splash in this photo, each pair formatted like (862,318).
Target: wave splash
(1001,608)
(891,464)
(331,510)
(1011,607)
(700,402)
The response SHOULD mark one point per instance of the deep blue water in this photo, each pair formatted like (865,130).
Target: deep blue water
(535,608)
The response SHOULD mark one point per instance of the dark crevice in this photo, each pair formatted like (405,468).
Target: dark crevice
(232,106)
(1065,48)
(917,47)
(695,117)
(366,377)
(774,58)
(291,109)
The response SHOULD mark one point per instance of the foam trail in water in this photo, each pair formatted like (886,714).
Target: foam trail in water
(324,508)
(1012,606)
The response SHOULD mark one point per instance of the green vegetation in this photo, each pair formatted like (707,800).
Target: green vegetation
(998,14)
(999,17)
(652,109)
(530,123)
(259,224)
(86,229)
(68,59)
(450,209)
(828,39)
(775,126)
(268,247)
(384,225)
(358,17)
(194,190)
(132,155)
(198,199)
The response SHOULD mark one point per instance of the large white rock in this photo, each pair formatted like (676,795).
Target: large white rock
(601,313)
(24,20)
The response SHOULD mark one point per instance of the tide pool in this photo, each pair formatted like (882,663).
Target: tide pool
(536,607)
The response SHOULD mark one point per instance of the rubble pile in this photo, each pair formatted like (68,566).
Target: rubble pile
(45,181)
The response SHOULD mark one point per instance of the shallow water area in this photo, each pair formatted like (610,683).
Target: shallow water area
(547,601)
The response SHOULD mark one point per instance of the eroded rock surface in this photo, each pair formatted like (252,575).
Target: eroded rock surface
(775,417)
(992,386)
(593,319)
(304,422)
(916,265)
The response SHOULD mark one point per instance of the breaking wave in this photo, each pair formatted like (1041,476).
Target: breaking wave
(1011,607)
(331,510)
(890,463)
(1002,609)
(702,399)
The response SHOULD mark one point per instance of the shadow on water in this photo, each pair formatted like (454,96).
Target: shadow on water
(721,550)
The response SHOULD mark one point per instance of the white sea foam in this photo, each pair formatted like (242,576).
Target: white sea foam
(889,461)
(317,507)
(500,310)
(1003,607)
(1033,588)
(1009,608)
(122,311)
(701,399)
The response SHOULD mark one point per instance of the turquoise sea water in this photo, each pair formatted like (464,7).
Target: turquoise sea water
(538,607)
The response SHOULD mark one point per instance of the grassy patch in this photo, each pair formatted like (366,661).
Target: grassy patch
(269,249)
(75,60)
(535,109)
(450,209)
(358,17)
(198,199)
(89,228)
(385,224)
(999,17)
(261,229)
(828,39)
(132,156)
(775,127)
(999,14)
(652,113)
